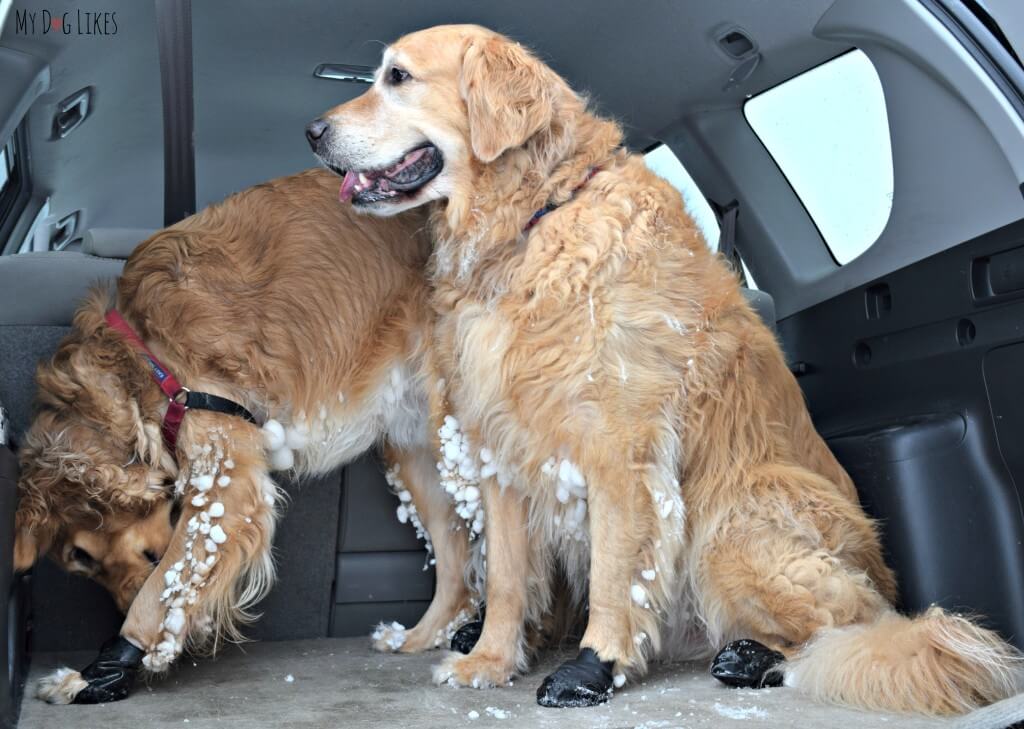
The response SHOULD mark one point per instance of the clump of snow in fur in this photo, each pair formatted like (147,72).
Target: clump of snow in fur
(639,595)
(671,504)
(282,460)
(392,635)
(571,492)
(460,475)
(445,635)
(273,435)
(276,439)
(296,436)
(406,511)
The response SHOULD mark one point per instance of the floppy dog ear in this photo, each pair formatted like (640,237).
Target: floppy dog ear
(65,473)
(29,546)
(34,528)
(508,96)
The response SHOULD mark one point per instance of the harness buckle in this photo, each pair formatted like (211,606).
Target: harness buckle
(181,397)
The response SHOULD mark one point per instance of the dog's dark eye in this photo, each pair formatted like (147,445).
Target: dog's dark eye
(82,557)
(151,556)
(397,75)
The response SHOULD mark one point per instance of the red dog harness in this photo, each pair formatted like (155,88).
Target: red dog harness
(179,398)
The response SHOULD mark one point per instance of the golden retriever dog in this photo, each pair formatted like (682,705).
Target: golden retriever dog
(627,415)
(281,302)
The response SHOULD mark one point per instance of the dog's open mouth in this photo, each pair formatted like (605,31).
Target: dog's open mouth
(418,167)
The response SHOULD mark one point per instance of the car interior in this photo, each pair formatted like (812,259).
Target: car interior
(903,321)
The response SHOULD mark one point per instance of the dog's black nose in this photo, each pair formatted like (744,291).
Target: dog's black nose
(314,131)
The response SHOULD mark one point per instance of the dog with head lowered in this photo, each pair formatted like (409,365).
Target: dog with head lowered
(294,332)
(631,421)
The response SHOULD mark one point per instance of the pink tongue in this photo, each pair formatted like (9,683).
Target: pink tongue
(345,193)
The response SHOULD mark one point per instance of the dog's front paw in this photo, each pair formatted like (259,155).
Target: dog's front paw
(109,678)
(61,686)
(112,675)
(388,638)
(586,680)
(478,671)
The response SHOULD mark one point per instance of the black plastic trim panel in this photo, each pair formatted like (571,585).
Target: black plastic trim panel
(915,380)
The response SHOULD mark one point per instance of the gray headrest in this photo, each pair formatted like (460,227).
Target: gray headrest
(113,242)
(45,289)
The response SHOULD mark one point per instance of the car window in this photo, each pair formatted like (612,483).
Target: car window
(5,173)
(663,161)
(828,131)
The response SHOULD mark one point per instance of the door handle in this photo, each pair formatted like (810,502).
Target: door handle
(71,112)
(64,231)
(344,72)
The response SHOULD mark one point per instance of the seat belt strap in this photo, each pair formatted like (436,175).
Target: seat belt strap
(727,231)
(174,42)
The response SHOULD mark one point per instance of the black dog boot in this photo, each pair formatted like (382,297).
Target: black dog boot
(112,675)
(584,681)
(467,636)
(747,664)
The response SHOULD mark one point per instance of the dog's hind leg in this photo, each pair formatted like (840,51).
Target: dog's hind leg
(789,573)
(500,652)
(779,588)
(413,476)
(783,559)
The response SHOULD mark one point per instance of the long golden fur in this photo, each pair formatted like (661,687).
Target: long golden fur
(607,345)
(279,299)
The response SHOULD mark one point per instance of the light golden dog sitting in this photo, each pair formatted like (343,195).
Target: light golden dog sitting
(280,300)
(604,364)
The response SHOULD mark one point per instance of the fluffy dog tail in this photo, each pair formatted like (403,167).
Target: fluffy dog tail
(936,663)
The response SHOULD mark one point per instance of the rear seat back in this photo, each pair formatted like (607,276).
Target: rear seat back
(39,293)
(113,242)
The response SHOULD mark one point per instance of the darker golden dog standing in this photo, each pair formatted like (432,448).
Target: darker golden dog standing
(280,300)
(628,415)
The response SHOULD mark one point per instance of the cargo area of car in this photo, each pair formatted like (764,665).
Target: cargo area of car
(909,352)
(322,684)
